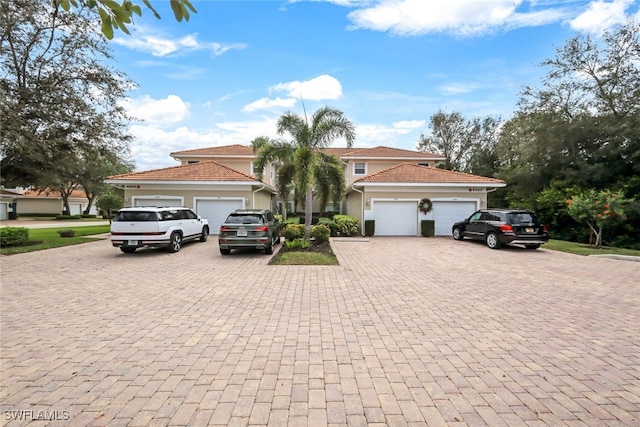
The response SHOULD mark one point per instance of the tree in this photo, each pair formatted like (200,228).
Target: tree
(597,208)
(460,140)
(60,102)
(116,16)
(302,153)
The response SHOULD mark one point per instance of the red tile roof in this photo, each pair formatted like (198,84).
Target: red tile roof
(75,194)
(202,171)
(390,152)
(407,173)
(223,150)
(372,152)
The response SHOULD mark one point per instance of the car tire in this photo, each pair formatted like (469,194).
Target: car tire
(205,234)
(532,246)
(225,251)
(175,242)
(457,233)
(128,250)
(492,240)
(269,249)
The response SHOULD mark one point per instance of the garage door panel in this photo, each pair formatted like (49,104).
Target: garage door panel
(446,213)
(157,202)
(396,218)
(216,211)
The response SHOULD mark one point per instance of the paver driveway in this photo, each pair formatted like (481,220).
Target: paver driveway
(406,331)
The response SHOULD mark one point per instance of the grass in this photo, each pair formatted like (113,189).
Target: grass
(585,249)
(317,254)
(46,238)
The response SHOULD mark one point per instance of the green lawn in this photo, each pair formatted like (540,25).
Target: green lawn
(584,249)
(49,238)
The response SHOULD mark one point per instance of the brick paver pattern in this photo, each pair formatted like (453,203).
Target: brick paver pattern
(406,331)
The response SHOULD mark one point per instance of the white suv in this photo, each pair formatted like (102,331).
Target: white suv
(156,227)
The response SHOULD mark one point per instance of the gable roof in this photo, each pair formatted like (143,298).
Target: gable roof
(381,152)
(207,171)
(391,152)
(407,173)
(220,151)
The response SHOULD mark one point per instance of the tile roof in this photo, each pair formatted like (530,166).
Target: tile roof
(75,194)
(209,170)
(407,173)
(391,152)
(246,150)
(223,150)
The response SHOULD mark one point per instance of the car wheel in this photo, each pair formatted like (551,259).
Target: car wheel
(175,242)
(205,234)
(225,251)
(492,240)
(457,233)
(532,246)
(128,250)
(269,249)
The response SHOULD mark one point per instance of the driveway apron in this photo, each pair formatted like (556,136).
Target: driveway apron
(405,331)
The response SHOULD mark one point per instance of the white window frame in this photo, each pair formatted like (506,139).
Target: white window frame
(355,168)
(253,169)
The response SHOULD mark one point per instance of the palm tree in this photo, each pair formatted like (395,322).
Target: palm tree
(302,161)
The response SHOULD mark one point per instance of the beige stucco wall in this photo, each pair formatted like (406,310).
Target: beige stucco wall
(29,206)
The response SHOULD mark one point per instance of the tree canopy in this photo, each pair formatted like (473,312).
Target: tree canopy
(118,16)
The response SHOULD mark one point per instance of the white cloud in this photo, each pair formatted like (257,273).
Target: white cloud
(269,104)
(317,89)
(369,135)
(458,88)
(460,17)
(601,15)
(169,110)
(160,45)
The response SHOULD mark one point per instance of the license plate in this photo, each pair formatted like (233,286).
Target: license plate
(242,232)
(529,230)
(132,242)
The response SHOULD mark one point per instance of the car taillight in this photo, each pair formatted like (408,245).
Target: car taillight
(545,229)
(263,228)
(223,228)
(506,228)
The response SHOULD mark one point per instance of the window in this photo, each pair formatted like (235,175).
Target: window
(423,164)
(359,168)
(255,171)
(192,162)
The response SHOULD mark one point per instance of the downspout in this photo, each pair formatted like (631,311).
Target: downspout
(253,196)
(361,208)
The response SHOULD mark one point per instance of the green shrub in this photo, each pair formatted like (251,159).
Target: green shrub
(346,225)
(427,227)
(68,216)
(320,232)
(88,216)
(67,233)
(293,220)
(297,244)
(369,227)
(13,215)
(293,231)
(13,236)
(329,223)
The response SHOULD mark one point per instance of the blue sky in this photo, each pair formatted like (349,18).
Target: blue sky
(227,75)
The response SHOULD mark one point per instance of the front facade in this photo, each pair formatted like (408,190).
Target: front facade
(383,183)
(34,202)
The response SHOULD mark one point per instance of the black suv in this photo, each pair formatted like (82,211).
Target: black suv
(499,227)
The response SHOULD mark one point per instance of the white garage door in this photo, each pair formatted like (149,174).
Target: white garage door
(4,211)
(216,211)
(446,213)
(395,218)
(76,208)
(150,201)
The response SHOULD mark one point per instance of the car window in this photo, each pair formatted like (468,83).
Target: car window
(189,214)
(169,215)
(522,218)
(136,216)
(244,219)
(475,217)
